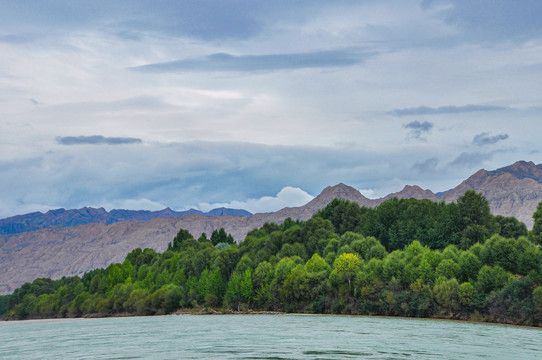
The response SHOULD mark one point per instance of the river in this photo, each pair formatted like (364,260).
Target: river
(265,337)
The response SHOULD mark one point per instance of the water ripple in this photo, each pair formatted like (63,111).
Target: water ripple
(265,337)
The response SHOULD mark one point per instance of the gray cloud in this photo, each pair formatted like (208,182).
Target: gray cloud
(96,140)
(137,103)
(470,159)
(418,128)
(18,38)
(425,110)
(484,139)
(426,166)
(495,21)
(208,20)
(29,163)
(251,63)
(204,19)
(181,175)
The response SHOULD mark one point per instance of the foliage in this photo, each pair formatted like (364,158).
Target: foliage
(405,257)
(510,227)
(4,304)
(536,233)
(220,236)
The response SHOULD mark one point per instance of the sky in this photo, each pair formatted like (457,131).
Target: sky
(260,104)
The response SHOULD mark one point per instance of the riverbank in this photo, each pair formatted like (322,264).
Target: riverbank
(478,319)
(226,311)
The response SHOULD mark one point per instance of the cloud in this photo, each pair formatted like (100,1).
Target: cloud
(425,110)
(251,63)
(17,38)
(96,140)
(135,103)
(19,164)
(181,175)
(417,128)
(132,204)
(426,166)
(495,21)
(213,174)
(470,159)
(368,193)
(205,19)
(484,139)
(287,197)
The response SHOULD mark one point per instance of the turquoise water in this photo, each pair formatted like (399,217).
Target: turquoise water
(264,337)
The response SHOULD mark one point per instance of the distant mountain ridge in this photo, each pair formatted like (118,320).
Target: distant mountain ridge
(513,190)
(521,170)
(87,215)
(59,251)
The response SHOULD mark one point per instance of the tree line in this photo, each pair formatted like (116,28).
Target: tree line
(405,257)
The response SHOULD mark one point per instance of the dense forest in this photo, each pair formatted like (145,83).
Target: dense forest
(406,257)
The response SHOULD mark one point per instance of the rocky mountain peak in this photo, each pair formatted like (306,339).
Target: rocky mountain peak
(521,170)
(54,212)
(340,191)
(413,192)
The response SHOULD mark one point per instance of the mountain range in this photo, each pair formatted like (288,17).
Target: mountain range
(62,217)
(64,250)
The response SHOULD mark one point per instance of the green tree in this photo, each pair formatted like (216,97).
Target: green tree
(466,293)
(220,236)
(537,297)
(492,278)
(4,304)
(500,251)
(113,276)
(535,235)
(476,217)
(510,227)
(448,269)
(346,266)
(211,288)
(240,290)
(263,274)
(226,261)
(447,294)
(317,272)
(245,263)
(469,266)
(45,305)
(166,299)
(203,238)
(343,214)
(295,288)
(179,240)
(474,209)
(138,257)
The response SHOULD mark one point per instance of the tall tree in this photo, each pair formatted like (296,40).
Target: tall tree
(477,221)
(178,241)
(536,233)
(346,266)
(474,209)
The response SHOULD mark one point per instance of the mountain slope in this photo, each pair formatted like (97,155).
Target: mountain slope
(514,190)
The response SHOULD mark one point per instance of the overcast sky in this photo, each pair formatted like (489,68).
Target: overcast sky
(259,104)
